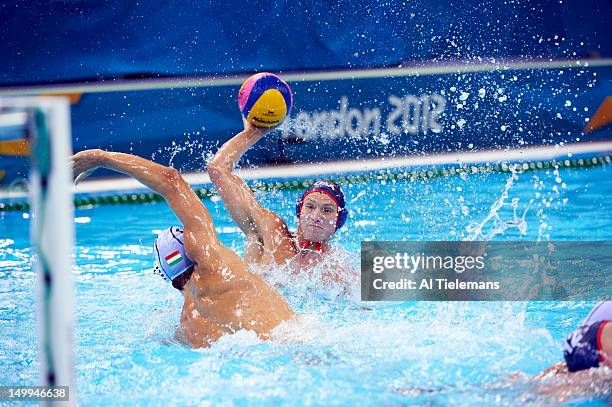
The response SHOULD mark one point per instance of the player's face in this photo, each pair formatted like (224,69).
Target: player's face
(318,217)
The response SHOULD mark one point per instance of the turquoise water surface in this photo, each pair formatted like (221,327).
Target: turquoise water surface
(344,352)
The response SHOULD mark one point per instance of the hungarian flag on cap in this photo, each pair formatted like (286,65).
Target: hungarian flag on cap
(173,258)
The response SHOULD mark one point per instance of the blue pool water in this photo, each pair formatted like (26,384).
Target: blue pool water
(344,352)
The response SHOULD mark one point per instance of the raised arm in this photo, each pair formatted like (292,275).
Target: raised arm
(238,198)
(165,180)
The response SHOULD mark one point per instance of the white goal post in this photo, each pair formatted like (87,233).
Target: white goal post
(45,123)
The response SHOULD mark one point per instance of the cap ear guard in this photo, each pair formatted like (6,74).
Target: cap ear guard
(158,270)
(342,217)
(298,207)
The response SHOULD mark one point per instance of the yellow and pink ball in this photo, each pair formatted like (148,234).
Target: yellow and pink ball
(265,100)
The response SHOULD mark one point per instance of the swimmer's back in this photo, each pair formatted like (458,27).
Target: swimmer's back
(228,297)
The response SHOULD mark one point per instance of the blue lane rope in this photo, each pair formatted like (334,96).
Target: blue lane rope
(383,175)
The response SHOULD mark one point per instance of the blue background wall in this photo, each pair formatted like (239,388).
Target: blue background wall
(76,40)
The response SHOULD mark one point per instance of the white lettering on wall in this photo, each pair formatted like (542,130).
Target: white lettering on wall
(410,114)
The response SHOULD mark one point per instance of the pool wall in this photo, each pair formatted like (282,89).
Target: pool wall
(347,115)
(370,79)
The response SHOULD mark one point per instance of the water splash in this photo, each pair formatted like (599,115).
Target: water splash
(320,281)
(191,147)
(499,225)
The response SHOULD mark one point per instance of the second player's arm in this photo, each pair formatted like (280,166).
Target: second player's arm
(240,201)
(166,181)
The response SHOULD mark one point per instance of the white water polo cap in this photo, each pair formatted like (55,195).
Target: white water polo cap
(169,250)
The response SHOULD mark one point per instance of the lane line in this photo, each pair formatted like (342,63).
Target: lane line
(288,172)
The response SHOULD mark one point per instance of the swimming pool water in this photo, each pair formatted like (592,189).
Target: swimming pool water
(344,352)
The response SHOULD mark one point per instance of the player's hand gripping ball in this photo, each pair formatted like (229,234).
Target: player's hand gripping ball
(265,100)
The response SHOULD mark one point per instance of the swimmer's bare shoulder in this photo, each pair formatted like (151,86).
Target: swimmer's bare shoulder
(272,246)
(561,385)
(554,370)
(277,238)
